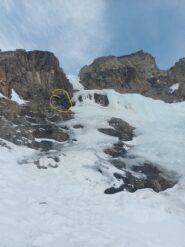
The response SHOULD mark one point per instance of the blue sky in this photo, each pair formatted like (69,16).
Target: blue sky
(78,31)
(156,26)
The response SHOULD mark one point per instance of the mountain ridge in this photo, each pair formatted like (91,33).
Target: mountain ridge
(135,73)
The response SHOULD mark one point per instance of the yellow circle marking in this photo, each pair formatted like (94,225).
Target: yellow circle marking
(55,93)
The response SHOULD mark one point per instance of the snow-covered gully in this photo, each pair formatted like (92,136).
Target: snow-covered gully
(66,206)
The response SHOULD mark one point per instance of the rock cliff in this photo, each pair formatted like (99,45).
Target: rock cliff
(134,73)
(32,76)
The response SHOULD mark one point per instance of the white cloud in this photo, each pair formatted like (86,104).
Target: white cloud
(73,29)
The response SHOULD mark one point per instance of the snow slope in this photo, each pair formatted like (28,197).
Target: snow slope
(75,82)
(66,206)
(159,126)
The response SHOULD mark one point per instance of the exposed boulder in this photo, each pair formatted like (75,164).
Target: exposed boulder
(78,126)
(177,75)
(151,177)
(101,99)
(120,129)
(118,150)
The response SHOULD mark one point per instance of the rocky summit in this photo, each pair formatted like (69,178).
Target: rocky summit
(135,73)
(26,82)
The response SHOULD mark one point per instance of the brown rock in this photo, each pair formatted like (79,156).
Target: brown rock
(149,177)
(135,73)
(33,75)
(124,74)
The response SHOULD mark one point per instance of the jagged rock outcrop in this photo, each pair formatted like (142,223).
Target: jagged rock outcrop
(32,75)
(134,73)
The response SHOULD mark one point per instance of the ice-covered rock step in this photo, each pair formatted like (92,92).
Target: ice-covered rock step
(96,96)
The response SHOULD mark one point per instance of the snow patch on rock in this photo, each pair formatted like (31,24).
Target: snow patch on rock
(15,97)
(174,87)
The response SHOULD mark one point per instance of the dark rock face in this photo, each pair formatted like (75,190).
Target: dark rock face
(78,126)
(117,150)
(153,178)
(101,99)
(32,75)
(120,129)
(134,73)
(126,130)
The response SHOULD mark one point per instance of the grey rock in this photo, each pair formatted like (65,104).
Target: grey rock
(126,130)
(120,129)
(116,151)
(153,179)
(118,164)
(78,126)
(101,99)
